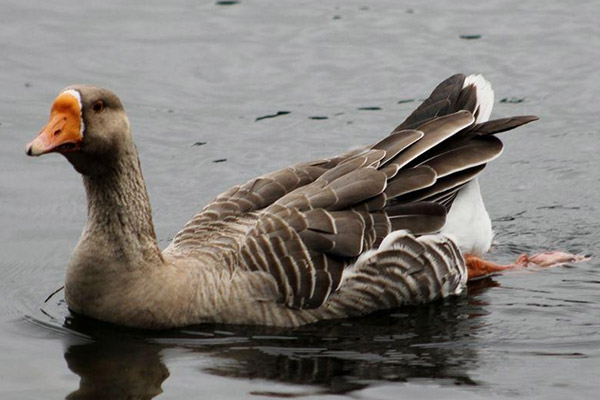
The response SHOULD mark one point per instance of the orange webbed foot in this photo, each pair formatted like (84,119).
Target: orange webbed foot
(480,268)
(554,258)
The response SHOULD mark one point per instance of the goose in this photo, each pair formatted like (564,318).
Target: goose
(395,223)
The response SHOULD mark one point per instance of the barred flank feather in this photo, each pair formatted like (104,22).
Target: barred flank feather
(404,270)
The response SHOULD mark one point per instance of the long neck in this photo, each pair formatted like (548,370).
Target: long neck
(119,213)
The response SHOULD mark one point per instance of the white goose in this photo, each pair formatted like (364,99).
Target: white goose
(330,238)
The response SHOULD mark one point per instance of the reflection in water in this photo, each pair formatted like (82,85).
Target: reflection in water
(433,342)
(116,370)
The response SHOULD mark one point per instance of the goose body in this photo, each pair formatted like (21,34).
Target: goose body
(374,228)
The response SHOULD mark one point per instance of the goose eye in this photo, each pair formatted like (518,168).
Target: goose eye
(98,106)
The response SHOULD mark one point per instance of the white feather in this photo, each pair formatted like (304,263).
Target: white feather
(485,96)
(469,222)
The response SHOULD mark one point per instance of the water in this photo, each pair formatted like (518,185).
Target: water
(197,71)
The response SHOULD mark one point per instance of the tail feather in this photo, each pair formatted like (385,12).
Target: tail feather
(502,125)
(440,102)
(484,96)
(454,120)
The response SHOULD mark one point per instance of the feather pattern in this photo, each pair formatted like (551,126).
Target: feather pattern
(339,237)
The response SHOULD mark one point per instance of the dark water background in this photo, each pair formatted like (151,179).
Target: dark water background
(196,71)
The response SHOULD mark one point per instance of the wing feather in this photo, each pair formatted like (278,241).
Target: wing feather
(307,225)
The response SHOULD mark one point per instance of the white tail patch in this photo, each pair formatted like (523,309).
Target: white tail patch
(485,96)
(468,222)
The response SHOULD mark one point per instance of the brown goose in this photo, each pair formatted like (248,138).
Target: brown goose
(374,228)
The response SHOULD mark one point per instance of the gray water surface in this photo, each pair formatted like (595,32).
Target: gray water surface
(197,71)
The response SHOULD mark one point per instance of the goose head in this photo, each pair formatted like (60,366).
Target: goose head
(87,125)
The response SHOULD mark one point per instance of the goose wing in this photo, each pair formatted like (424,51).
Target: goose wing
(304,225)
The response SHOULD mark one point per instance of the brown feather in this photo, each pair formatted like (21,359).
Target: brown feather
(320,220)
(502,124)
(442,185)
(465,156)
(436,131)
(396,142)
(448,90)
(419,218)
(410,180)
(467,99)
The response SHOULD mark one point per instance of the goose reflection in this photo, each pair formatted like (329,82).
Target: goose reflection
(116,370)
(434,342)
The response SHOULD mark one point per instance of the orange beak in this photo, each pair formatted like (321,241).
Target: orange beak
(63,131)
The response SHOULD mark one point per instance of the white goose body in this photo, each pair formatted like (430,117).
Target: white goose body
(375,228)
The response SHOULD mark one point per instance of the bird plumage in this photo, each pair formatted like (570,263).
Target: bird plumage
(329,238)
(309,226)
